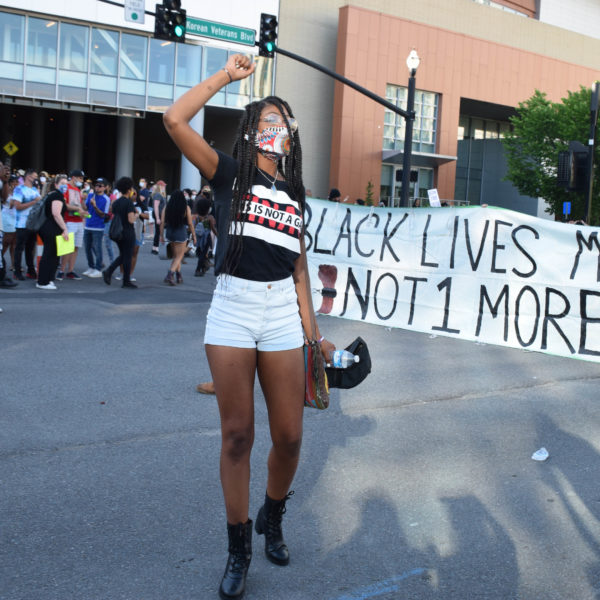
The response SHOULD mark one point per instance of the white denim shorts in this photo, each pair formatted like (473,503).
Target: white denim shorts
(254,314)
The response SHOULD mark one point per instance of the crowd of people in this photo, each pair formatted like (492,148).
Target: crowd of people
(82,209)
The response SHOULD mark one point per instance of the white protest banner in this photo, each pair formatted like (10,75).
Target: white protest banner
(482,274)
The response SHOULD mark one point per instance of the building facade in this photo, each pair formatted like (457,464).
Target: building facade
(479,59)
(80,87)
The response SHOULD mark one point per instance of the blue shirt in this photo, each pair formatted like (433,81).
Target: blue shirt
(24,194)
(95,221)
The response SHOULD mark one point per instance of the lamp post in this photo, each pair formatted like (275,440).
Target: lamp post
(412,62)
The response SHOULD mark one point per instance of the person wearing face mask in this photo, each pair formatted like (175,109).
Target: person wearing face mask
(260,307)
(46,183)
(24,197)
(76,212)
(125,209)
(6,186)
(55,210)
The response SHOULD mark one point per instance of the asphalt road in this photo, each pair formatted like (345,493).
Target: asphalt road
(418,484)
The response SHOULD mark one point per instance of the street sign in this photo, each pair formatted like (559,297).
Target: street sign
(566,208)
(220,31)
(134,11)
(10,148)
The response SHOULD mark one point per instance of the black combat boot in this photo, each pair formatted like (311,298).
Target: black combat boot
(268,522)
(233,583)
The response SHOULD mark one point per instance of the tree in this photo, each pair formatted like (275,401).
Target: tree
(542,129)
(369,197)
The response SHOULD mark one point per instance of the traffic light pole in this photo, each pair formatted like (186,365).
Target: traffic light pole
(591,146)
(347,82)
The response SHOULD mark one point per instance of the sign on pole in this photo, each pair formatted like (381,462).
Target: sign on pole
(134,11)
(220,31)
(10,148)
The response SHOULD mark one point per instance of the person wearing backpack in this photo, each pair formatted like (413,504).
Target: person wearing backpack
(125,211)
(24,197)
(55,208)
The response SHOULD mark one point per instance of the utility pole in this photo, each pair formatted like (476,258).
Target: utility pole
(591,146)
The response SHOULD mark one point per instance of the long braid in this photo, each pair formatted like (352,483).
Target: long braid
(245,152)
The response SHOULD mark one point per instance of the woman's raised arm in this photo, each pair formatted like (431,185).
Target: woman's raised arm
(178,116)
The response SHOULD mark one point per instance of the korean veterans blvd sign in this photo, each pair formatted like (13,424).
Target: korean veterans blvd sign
(220,31)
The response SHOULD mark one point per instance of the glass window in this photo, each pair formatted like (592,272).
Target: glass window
(215,59)
(73,47)
(105,49)
(385,186)
(424,126)
(162,61)
(189,65)
(133,56)
(42,38)
(132,80)
(11,53)
(161,75)
(263,77)
(11,37)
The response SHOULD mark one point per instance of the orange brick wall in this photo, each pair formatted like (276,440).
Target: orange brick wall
(372,50)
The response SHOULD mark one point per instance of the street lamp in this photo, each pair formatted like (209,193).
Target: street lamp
(412,62)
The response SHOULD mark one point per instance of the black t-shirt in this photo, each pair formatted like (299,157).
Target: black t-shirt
(54,195)
(272,225)
(122,207)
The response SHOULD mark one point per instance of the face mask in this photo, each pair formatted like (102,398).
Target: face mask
(78,183)
(142,184)
(274,143)
(42,179)
(63,187)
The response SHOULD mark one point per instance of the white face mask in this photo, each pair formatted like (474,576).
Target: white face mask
(142,184)
(42,179)
(78,183)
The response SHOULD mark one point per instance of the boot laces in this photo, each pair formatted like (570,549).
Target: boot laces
(275,516)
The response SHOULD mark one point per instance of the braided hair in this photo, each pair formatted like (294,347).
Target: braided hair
(245,152)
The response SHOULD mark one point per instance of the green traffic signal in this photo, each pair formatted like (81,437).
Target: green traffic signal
(268,35)
(170,21)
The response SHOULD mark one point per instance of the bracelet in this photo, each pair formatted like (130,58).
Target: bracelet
(321,339)
(228,74)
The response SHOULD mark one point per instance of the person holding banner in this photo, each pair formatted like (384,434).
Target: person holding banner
(54,225)
(260,306)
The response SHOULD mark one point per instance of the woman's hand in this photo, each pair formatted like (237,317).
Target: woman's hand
(239,66)
(65,235)
(327,348)
(194,238)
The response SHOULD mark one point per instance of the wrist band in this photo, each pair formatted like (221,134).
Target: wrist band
(321,339)
(228,74)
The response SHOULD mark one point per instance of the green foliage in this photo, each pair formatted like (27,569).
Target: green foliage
(542,129)
(369,199)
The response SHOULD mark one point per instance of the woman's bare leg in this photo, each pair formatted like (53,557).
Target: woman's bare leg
(178,252)
(281,376)
(233,372)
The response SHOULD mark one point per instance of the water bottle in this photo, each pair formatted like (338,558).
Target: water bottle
(342,359)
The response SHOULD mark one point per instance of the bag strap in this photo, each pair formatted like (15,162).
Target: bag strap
(309,302)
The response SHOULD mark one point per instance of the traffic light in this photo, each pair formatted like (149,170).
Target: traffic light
(268,35)
(169,22)
(572,167)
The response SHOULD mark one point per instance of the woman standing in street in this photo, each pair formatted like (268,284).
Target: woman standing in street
(260,306)
(54,225)
(175,222)
(125,210)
